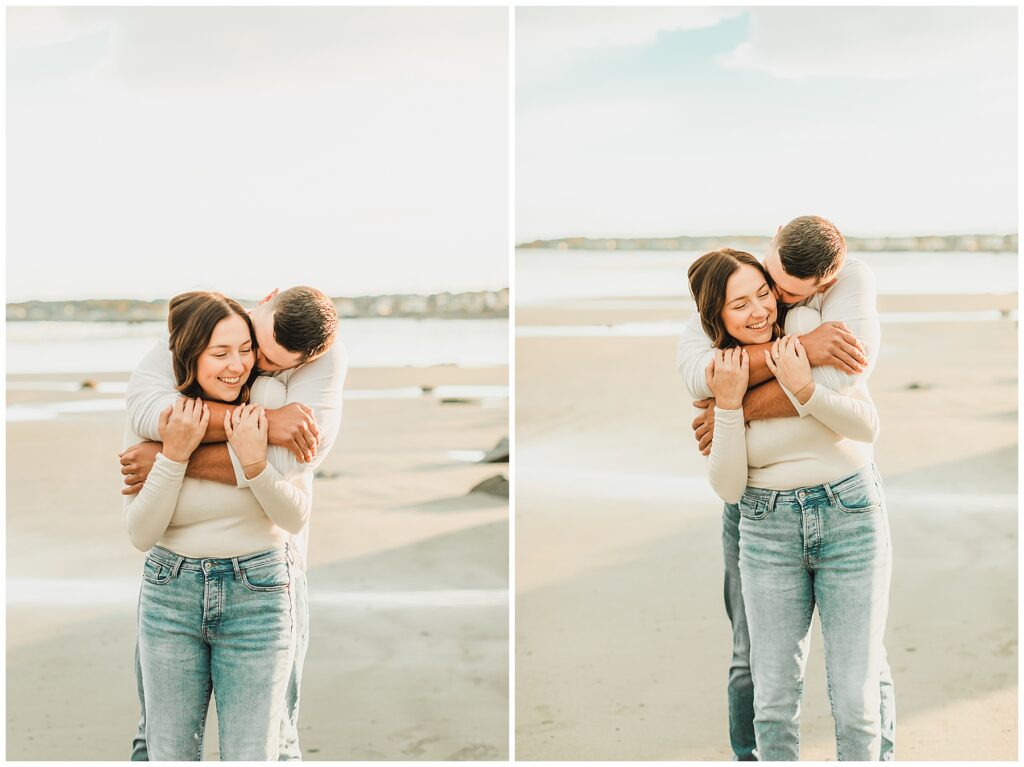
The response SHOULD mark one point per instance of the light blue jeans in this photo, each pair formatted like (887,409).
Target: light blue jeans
(225,626)
(828,546)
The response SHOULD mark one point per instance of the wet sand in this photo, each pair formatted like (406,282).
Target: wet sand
(622,642)
(408,655)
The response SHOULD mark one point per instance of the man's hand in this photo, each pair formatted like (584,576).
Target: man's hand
(294,427)
(832,344)
(136,463)
(704,424)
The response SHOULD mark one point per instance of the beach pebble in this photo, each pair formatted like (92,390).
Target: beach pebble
(498,453)
(496,485)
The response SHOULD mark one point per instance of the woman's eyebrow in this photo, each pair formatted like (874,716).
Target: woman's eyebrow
(743,298)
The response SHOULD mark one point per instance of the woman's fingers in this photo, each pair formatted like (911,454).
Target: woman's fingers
(228,428)
(798,348)
(770,362)
(744,360)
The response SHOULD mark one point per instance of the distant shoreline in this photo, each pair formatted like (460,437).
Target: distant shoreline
(971,243)
(477,305)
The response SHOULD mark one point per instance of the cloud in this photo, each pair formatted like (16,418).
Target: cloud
(878,43)
(549,39)
(256,47)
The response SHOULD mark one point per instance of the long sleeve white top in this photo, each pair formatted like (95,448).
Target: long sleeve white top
(786,453)
(317,384)
(198,518)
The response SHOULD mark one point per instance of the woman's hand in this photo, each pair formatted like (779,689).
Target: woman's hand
(788,362)
(246,428)
(182,427)
(727,375)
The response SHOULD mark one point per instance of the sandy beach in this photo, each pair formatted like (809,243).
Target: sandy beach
(408,655)
(622,642)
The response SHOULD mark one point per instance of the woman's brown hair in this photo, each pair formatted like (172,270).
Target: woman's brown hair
(708,277)
(191,318)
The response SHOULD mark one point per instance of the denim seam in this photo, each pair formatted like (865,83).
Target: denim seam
(276,589)
(836,500)
(202,721)
(258,565)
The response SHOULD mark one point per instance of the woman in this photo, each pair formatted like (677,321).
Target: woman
(813,527)
(215,609)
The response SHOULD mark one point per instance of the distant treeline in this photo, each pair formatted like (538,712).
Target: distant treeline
(483,304)
(959,242)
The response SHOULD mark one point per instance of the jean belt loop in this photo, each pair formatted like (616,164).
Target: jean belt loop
(771,500)
(831,495)
(177,567)
(877,474)
(236,568)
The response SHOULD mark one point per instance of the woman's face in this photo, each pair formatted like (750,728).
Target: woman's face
(749,312)
(224,365)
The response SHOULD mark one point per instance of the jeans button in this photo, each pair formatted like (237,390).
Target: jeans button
(800,495)
(208,565)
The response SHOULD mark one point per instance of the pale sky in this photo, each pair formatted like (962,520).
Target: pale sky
(667,121)
(156,150)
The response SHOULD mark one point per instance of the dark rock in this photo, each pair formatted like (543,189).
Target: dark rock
(496,485)
(89,383)
(498,453)
(913,386)
(326,474)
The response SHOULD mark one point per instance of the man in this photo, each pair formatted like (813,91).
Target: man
(807,263)
(295,333)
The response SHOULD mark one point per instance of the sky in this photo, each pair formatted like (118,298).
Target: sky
(635,122)
(156,150)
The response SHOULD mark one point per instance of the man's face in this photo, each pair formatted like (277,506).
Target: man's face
(271,356)
(789,289)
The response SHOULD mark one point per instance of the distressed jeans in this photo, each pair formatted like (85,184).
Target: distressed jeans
(826,546)
(221,626)
(741,684)
(289,742)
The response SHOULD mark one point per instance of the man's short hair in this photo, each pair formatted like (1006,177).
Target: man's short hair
(305,321)
(811,246)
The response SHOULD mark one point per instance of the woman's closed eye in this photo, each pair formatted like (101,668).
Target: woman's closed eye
(222,355)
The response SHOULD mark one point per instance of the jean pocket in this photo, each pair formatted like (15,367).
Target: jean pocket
(156,572)
(753,506)
(861,499)
(273,576)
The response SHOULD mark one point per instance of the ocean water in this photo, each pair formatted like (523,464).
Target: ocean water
(78,347)
(545,276)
